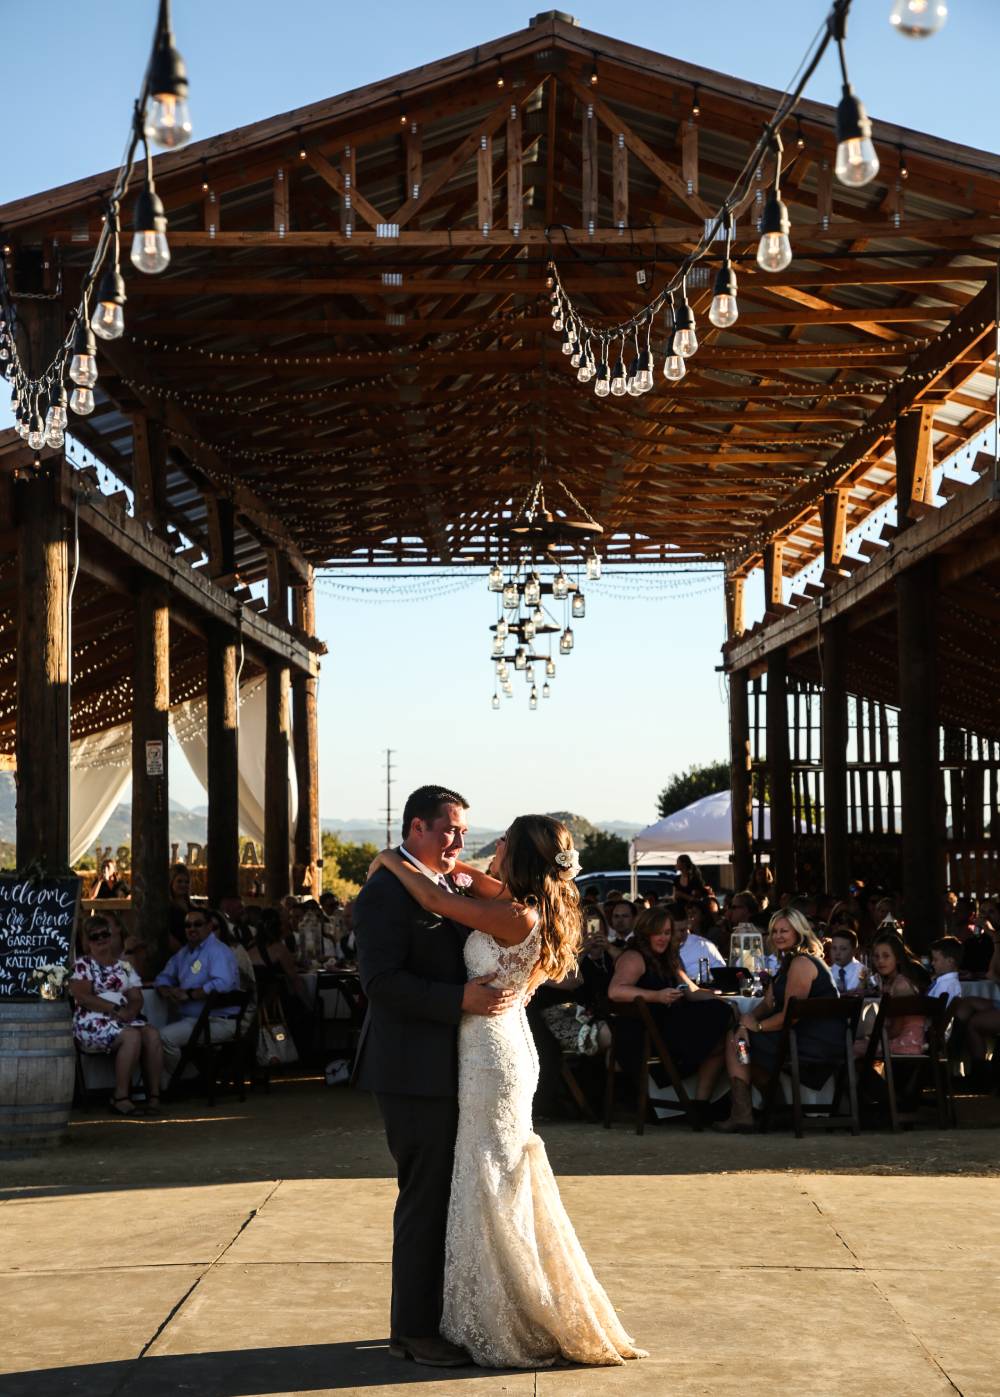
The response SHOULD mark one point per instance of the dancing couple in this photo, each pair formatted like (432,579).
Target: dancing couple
(486,1266)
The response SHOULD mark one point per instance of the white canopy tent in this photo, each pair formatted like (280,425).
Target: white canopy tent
(703,828)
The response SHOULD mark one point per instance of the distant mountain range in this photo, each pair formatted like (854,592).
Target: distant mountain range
(191,824)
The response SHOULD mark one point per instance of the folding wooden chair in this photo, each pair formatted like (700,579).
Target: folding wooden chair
(654,1051)
(846,1011)
(936,1013)
(213,1057)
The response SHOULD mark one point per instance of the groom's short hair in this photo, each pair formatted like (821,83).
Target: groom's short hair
(426,802)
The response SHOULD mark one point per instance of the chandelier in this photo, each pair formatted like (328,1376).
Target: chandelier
(543,554)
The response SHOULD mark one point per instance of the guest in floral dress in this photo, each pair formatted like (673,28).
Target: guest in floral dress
(107,1017)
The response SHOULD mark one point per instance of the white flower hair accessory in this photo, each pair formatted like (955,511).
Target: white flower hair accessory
(568,863)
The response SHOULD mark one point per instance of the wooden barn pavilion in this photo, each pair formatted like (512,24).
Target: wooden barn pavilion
(350,357)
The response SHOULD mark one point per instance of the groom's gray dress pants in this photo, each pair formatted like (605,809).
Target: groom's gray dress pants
(420,1131)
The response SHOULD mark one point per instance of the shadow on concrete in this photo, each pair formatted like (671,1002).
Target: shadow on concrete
(353,1366)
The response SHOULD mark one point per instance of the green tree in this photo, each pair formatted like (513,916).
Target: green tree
(342,859)
(603,852)
(686,786)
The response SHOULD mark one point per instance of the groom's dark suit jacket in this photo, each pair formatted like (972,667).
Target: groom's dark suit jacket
(413,973)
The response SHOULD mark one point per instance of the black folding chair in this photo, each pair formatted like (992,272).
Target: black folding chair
(347,987)
(800,1012)
(936,1013)
(653,1052)
(221,1060)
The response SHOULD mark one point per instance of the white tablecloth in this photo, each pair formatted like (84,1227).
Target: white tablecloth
(983,989)
(335,1006)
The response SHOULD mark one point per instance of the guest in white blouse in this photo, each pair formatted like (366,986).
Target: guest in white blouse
(694,947)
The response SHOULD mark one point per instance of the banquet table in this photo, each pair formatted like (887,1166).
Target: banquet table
(321,988)
(984,989)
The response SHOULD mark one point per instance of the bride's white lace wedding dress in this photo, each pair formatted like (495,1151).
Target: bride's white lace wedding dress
(519,1291)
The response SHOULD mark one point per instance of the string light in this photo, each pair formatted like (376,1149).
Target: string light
(168,121)
(918,19)
(857,162)
(724,311)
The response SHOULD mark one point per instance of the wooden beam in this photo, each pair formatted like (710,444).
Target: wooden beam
(619,181)
(281,202)
(443,172)
(689,155)
(515,171)
(734,606)
(149,472)
(484,185)
(834,519)
(276,753)
(305,734)
(780,772)
(774,554)
(833,719)
(914,439)
(739,757)
(222,728)
(150,763)
(589,171)
(413,142)
(332,176)
(221,535)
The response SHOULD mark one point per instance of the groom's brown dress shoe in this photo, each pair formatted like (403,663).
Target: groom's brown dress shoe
(432,1351)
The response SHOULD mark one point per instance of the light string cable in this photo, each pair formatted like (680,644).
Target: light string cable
(159,115)
(769,142)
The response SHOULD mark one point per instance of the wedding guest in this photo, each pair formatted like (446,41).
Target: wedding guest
(978,1019)
(689,885)
(109,884)
(802,974)
(977,951)
(227,934)
(693,946)
(946,957)
(900,974)
(849,974)
(180,903)
(692,1021)
(621,920)
(204,966)
(107,1017)
(761,886)
(278,975)
(966,915)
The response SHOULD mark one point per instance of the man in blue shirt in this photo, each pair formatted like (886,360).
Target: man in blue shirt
(203,967)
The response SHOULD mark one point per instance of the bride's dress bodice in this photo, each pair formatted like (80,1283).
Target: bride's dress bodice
(519,1291)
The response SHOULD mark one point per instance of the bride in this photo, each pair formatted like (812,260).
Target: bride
(518,1289)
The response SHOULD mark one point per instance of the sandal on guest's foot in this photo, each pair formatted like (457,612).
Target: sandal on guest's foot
(122,1106)
(152,1107)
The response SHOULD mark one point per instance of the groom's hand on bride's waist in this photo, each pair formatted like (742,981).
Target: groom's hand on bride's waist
(480,997)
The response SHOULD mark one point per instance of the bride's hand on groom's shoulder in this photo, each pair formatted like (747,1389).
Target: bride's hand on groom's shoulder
(376,863)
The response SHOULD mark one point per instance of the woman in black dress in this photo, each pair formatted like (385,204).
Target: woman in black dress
(692,1022)
(690,885)
(802,974)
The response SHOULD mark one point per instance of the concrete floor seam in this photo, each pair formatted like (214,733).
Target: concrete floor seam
(912,1333)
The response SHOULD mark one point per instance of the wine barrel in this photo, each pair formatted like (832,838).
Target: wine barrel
(37,1068)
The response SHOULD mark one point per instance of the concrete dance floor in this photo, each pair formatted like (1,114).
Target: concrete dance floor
(243,1251)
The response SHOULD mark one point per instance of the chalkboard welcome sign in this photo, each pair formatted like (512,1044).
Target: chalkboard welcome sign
(36,928)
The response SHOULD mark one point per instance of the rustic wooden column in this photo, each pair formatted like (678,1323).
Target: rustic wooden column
(150,767)
(734,607)
(921,800)
(914,442)
(305,735)
(834,744)
(43,716)
(780,771)
(223,765)
(740,784)
(276,831)
(774,563)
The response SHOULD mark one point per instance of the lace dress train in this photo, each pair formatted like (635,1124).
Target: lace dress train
(519,1291)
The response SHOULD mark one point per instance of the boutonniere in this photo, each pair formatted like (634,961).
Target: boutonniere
(462,881)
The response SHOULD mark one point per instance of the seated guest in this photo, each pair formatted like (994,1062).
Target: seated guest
(621,921)
(109,884)
(966,915)
(979,1018)
(802,974)
(849,974)
(977,952)
(278,975)
(946,957)
(203,967)
(692,1022)
(689,885)
(695,947)
(107,1017)
(227,934)
(899,974)
(761,887)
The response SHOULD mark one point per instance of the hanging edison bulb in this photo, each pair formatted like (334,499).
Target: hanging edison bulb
(498,645)
(618,379)
(56,419)
(566,641)
(538,616)
(602,380)
(495,700)
(918,19)
(150,249)
(503,628)
(533,590)
(82,401)
(593,567)
(108,320)
(550,668)
(857,160)
(36,430)
(495,580)
(774,251)
(529,675)
(83,365)
(724,310)
(520,658)
(674,367)
(579,606)
(546,691)
(167,121)
(560,586)
(510,597)
(528,629)
(508,688)
(533,699)
(685,335)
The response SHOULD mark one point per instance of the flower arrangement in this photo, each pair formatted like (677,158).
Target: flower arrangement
(53,980)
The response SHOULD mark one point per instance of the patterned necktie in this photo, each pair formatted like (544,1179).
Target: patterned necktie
(843,979)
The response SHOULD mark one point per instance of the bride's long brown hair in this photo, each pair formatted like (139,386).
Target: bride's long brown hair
(531,873)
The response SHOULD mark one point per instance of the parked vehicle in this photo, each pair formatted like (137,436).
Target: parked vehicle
(653,882)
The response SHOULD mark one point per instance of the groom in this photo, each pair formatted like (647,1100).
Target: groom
(413,973)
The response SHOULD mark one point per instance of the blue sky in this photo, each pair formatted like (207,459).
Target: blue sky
(640,697)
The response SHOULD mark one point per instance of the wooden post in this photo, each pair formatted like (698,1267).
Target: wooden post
(150,784)
(588,176)
(619,180)
(515,172)
(774,557)
(484,185)
(149,472)
(834,520)
(220,516)
(734,606)
(277,585)
(276,831)
(914,462)
(43,699)
(43,629)
(305,736)
(222,722)
(739,755)
(834,744)
(921,803)
(780,772)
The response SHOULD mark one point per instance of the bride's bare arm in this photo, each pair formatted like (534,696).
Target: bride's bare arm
(483,885)
(507,922)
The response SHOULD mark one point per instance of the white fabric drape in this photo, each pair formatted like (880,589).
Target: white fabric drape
(100,769)
(188,723)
